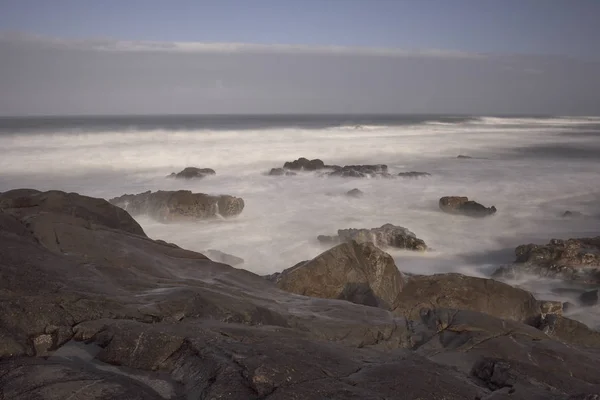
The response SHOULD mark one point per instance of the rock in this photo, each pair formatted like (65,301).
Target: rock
(359,171)
(169,206)
(413,174)
(192,172)
(572,214)
(115,314)
(281,172)
(574,260)
(219,256)
(462,205)
(304,164)
(387,235)
(354,193)
(356,272)
(589,298)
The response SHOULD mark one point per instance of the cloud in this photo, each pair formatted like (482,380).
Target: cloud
(112,45)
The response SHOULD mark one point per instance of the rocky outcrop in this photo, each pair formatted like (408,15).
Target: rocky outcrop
(572,214)
(114,314)
(413,174)
(169,206)
(464,206)
(387,235)
(356,272)
(355,193)
(219,256)
(192,172)
(574,260)
(280,172)
(304,164)
(359,171)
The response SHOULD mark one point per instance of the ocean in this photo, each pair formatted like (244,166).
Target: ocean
(531,168)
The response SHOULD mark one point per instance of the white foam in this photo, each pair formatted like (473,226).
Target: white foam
(283,215)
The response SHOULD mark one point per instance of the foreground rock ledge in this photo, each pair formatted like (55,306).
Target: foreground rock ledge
(168,206)
(162,322)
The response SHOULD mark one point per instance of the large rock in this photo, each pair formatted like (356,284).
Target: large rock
(575,260)
(111,313)
(304,164)
(192,172)
(168,206)
(414,174)
(387,235)
(464,206)
(357,272)
(280,172)
(359,171)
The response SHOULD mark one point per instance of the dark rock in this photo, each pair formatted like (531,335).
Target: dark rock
(575,260)
(463,157)
(281,172)
(572,214)
(192,172)
(224,258)
(413,174)
(355,193)
(168,206)
(360,171)
(304,164)
(359,273)
(464,206)
(589,298)
(387,235)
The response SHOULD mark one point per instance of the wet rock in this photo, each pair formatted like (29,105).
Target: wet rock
(42,344)
(413,174)
(464,206)
(169,206)
(387,235)
(574,260)
(224,258)
(463,157)
(304,164)
(192,173)
(572,214)
(359,171)
(281,172)
(354,193)
(359,273)
(589,298)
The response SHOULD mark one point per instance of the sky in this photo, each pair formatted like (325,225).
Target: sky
(303,56)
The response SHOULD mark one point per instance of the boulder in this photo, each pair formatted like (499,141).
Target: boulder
(169,206)
(356,272)
(387,235)
(589,298)
(572,214)
(463,157)
(464,206)
(413,174)
(219,256)
(574,260)
(280,172)
(359,171)
(192,172)
(354,193)
(304,164)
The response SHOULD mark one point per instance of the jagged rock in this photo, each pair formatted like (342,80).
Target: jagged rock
(360,273)
(224,258)
(572,214)
(463,157)
(359,171)
(387,235)
(464,206)
(192,172)
(413,174)
(168,206)
(576,260)
(589,298)
(354,193)
(304,164)
(280,172)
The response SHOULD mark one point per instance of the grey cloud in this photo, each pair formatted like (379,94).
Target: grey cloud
(51,76)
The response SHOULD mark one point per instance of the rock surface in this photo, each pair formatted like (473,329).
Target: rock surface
(224,258)
(360,273)
(281,172)
(169,206)
(123,316)
(574,260)
(413,174)
(387,235)
(304,164)
(464,206)
(355,193)
(192,172)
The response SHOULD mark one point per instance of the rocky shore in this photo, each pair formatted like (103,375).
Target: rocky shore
(92,308)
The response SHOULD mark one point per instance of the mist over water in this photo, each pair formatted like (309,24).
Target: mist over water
(531,169)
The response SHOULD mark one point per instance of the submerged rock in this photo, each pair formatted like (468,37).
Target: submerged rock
(464,206)
(355,193)
(192,172)
(224,258)
(413,174)
(280,172)
(464,157)
(168,206)
(356,272)
(359,171)
(387,235)
(589,298)
(572,214)
(575,260)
